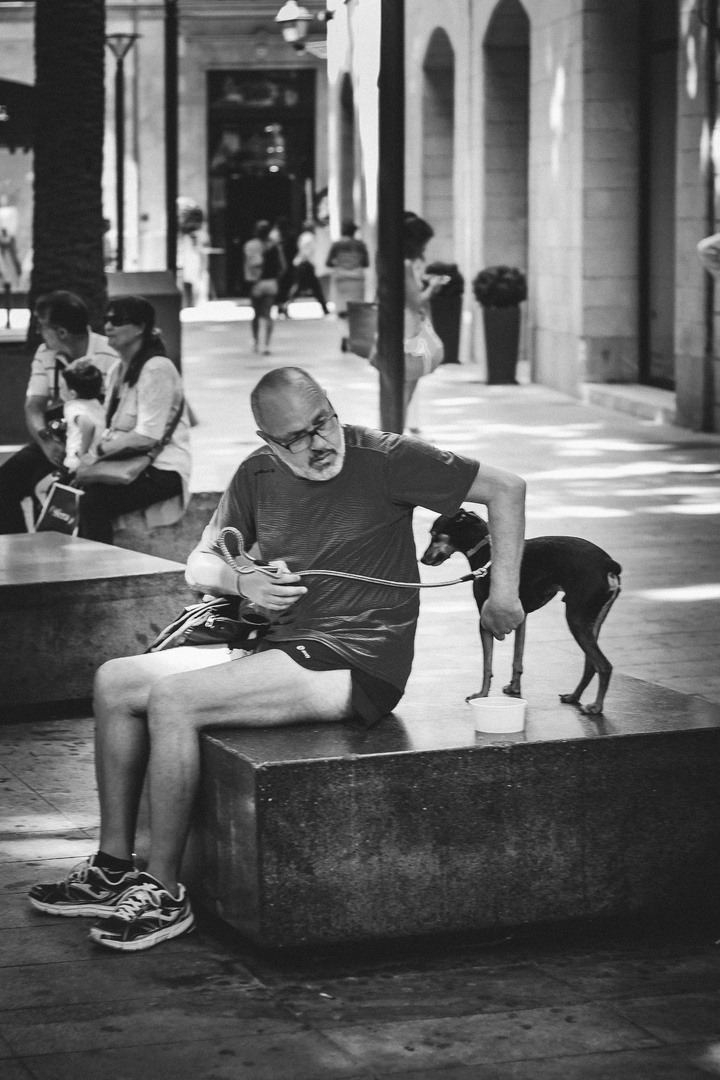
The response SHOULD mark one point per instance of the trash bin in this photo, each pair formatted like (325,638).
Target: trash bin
(446,309)
(362,327)
(159,287)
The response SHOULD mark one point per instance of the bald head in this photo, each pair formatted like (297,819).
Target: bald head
(280,394)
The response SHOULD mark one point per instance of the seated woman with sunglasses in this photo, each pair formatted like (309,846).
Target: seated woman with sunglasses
(144,394)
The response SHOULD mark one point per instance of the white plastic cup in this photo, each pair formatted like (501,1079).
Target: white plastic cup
(499,715)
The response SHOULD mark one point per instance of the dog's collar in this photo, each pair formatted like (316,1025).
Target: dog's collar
(473,551)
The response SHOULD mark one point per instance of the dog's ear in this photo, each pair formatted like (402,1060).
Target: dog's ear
(463,515)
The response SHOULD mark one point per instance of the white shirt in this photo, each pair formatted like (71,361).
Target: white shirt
(94,411)
(149,406)
(42,371)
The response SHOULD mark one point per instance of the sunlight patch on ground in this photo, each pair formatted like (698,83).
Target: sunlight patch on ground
(681,594)
(234,311)
(640,468)
(620,446)
(551,512)
(548,431)
(690,509)
(653,492)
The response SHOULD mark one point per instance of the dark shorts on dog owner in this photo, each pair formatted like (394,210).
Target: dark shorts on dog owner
(371,698)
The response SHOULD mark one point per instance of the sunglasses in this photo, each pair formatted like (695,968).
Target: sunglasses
(115,319)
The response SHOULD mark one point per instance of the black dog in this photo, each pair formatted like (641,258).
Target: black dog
(585,573)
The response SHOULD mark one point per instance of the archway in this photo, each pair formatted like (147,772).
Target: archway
(438,143)
(658,112)
(347,150)
(507,135)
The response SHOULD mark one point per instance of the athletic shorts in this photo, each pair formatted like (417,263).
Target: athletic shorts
(371,698)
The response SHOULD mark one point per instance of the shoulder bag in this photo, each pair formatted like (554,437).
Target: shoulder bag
(215,620)
(118,470)
(424,352)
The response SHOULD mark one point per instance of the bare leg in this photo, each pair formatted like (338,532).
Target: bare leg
(513,687)
(488,642)
(122,688)
(265,690)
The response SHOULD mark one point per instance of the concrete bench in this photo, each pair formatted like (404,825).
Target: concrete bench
(168,541)
(321,834)
(67,605)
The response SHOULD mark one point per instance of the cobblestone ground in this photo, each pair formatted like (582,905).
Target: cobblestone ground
(607,1000)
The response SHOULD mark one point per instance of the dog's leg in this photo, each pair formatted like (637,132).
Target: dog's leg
(513,687)
(488,642)
(586,634)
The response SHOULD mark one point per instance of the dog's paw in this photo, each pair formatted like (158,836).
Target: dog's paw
(591,710)
(570,699)
(512,691)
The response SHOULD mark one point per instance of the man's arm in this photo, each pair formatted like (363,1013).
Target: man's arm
(504,495)
(207,572)
(52,448)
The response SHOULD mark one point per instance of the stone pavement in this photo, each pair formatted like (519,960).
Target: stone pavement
(633,1000)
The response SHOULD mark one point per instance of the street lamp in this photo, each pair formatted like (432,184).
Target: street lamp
(294,20)
(120,45)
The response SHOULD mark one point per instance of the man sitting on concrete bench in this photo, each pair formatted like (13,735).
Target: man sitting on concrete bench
(318,495)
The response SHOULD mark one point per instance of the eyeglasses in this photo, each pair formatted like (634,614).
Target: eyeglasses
(302,442)
(115,319)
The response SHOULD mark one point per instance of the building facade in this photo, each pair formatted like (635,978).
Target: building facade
(567,137)
(572,138)
(252,127)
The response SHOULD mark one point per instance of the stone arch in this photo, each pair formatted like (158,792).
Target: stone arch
(347,149)
(507,134)
(439,143)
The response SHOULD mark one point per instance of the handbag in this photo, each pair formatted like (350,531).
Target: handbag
(423,353)
(264,287)
(126,466)
(61,510)
(215,620)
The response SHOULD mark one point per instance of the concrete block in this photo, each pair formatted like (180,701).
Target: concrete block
(67,605)
(323,833)
(170,541)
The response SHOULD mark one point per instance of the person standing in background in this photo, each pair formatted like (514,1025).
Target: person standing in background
(305,279)
(419,288)
(348,258)
(322,241)
(264,265)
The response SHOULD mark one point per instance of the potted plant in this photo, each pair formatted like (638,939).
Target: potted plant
(446,308)
(500,290)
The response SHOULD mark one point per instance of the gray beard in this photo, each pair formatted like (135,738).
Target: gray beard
(327,472)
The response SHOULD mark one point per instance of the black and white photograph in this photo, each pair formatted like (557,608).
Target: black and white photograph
(337,340)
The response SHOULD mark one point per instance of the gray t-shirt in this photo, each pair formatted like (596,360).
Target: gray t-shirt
(359,522)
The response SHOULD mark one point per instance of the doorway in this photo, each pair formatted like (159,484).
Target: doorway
(261,161)
(507,134)
(438,143)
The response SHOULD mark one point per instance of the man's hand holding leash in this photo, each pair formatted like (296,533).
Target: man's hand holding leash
(274,593)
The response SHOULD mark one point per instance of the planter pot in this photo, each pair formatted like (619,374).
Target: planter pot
(502,342)
(446,312)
